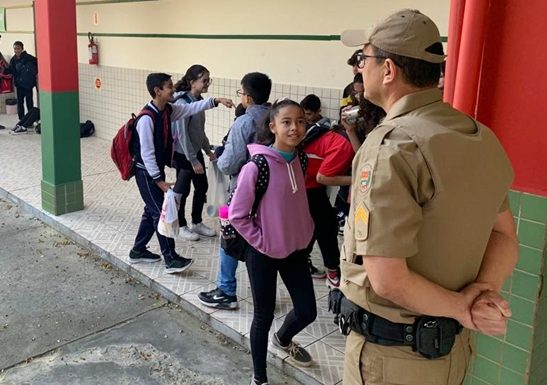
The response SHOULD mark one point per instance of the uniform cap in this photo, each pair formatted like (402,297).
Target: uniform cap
(406,33)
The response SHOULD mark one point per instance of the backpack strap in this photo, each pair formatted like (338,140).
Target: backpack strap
(303,160)
(262,180)
(186,97)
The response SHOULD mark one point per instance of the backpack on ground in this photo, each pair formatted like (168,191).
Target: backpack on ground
(120,151)
(87,129)
(230,240)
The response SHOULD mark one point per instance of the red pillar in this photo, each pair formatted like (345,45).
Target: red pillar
(513,87)
(470,51)
(62,189)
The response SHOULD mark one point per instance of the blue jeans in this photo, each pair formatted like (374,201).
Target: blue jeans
(226,278)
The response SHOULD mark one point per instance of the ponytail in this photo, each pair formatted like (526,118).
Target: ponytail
(182,85)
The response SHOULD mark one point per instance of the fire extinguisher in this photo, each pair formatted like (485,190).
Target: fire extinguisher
(93,50)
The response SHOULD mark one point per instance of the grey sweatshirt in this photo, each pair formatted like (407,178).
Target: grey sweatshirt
(189,133)
(242,133)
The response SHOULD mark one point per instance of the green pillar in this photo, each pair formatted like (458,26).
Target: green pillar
(62,187)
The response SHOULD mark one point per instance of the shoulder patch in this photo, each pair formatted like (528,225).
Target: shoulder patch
(365,178)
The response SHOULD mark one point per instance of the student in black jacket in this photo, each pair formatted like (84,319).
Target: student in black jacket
(24,68)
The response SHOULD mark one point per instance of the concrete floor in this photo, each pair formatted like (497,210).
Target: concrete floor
(68,317)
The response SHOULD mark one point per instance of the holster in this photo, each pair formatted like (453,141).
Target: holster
(432,337)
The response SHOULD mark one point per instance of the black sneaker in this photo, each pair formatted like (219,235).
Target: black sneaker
(143,257)
(297,353)
(316,272)
(178,265)
(218,299)
(19,130)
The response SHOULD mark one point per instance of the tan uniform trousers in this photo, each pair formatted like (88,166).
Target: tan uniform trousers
(372,364)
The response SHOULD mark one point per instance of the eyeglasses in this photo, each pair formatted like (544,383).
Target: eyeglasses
(240,93)
(361,59)
(207,81)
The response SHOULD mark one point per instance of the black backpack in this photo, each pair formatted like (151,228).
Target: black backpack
(230,240)
(87,129)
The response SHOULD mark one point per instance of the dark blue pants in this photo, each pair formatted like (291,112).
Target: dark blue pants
(22,95)
(152,196)
(296,275)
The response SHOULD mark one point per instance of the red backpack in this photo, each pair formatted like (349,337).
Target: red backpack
(120,151)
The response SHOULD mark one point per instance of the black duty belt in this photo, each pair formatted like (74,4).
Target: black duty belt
(432,337)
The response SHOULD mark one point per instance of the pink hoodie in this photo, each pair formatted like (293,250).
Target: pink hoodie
(283,223)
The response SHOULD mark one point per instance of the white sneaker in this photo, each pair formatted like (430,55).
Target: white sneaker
(187,234)
(204,230)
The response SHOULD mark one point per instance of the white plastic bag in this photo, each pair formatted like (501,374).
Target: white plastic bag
(168,225)
(217,194)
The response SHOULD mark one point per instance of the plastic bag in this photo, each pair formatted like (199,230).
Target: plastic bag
(168,225)
(217,195)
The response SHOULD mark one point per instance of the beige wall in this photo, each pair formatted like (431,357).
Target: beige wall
(314,63)
(310,63)
(19,22)
(296,67)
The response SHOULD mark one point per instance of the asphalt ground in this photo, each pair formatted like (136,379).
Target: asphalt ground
(69,317)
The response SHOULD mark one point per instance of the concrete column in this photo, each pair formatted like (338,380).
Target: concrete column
(62,188)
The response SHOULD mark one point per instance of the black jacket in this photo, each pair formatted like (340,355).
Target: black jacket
(24,70)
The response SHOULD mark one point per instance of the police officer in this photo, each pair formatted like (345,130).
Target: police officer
(430,238)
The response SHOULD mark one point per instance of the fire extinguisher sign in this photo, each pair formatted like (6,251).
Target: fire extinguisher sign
(98,83)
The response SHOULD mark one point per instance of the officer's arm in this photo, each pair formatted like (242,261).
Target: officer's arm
(393,280)
(501,253)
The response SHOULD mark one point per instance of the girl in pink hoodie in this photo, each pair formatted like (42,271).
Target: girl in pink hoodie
(277,236)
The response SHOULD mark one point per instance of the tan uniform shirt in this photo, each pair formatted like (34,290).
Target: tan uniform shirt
(427,185)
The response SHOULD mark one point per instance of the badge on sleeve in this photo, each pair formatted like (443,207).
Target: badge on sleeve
(361,222)
(365,178)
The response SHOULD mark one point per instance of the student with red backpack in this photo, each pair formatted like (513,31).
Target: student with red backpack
(151,146)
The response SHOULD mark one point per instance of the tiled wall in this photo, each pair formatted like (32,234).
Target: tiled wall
(123,91)
(520,357)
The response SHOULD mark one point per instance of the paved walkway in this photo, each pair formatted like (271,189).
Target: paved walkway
(108,225)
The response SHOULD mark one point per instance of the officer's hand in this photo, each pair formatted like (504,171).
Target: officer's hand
(490,313)
(470,293)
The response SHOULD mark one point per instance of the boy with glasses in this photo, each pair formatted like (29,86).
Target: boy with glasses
(254,94)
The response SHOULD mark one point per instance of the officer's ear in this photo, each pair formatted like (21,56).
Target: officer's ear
(390,71)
